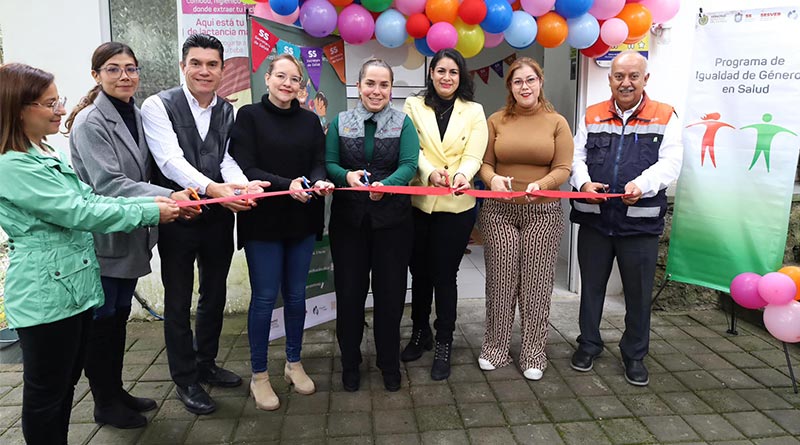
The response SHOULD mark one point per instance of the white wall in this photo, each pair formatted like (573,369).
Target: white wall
(57,36)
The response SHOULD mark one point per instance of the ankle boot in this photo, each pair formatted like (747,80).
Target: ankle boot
(263,393)
(421,340)
(100,370)
(294,374)
(441,360)
(138,404)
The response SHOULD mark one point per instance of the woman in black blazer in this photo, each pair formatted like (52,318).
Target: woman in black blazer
(278,141)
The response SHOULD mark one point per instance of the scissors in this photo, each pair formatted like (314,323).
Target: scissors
(365,178)
(195,197)
(307,185)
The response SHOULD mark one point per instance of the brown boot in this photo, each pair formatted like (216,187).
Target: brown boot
(294,374)
(262,392)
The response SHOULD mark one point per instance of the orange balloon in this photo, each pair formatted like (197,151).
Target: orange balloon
(638,18)
(442,10)
(635,39)
(553,30)
(793,272)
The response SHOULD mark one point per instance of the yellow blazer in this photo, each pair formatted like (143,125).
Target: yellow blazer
(461,151)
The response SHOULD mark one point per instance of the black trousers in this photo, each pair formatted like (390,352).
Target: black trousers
(209,241)
(439,242)
(52,360)
(357,251)
(636,257)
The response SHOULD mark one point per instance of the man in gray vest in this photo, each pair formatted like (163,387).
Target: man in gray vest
(187,130)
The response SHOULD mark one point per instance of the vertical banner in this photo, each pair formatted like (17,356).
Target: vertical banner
(324,94)
(740,147)
(227,21)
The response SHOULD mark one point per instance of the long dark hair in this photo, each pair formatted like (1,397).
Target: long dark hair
(19,86)
(99,57)
(466,88)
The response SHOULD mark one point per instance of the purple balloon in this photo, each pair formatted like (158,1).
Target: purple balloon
(744,291)
(356,24)
(783,321)
(318,17)
(777,288)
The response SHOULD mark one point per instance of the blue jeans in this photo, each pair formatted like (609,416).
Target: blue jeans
(277,266)
(118,293)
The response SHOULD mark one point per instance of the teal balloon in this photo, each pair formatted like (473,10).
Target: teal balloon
(376,5)
(583,31)
(522,30)
(390,29)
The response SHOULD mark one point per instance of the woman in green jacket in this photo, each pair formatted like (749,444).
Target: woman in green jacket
(53,279)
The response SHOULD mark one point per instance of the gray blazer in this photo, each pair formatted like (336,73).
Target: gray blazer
(105,156)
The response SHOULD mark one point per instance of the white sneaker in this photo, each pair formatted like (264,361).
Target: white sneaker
(485,365)
(533,374)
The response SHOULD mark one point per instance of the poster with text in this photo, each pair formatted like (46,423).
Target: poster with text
(741,144)
(227,21)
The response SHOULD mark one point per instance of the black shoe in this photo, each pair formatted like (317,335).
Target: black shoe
(196,399)
(636,372)
(391,380)
(351,379)
(441,361)
(216,376)
(421,340)
(116,414)
(582,361)
(138,404)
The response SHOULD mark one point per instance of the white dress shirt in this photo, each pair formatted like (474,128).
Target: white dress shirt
(163,144)
(655,178)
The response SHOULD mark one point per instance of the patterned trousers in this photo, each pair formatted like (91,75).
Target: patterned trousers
(520,249)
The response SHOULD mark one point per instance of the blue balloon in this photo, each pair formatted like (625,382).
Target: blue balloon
(583,31)
(390,29)
(498,16)
(572,8)
(423,48)
(522,31)
(284,7)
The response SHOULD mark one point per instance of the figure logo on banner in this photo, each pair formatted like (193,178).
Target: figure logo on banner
(712,126)
(766,132)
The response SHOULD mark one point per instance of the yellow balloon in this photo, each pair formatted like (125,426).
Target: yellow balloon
(470,39)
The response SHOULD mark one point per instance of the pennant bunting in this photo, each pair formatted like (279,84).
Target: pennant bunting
(335,54)
(484,73)
(285,47)
(510,59)
(262,44)
(498,68)
(312,58)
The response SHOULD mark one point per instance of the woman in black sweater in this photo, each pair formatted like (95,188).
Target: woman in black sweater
(278,141)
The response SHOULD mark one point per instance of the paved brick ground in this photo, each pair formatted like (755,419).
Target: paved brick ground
(706,387)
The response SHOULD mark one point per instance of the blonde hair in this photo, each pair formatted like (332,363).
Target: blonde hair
(288,57)
(510,101)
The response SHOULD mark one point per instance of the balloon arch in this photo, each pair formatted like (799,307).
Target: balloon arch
(592,26)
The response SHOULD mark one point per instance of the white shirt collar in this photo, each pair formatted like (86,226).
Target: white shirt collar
(194,102)
(627,113)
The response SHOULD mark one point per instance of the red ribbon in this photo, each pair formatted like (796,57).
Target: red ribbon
(417,191)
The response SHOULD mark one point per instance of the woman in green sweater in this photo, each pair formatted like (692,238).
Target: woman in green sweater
(371,233)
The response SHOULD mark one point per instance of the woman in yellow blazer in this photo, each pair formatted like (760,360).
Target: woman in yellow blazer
(453,135)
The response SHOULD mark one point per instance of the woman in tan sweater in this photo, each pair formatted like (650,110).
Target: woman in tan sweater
(530,148)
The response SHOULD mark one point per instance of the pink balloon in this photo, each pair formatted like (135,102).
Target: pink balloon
(443,35)
(744,291)
(783,321)
(286,19)
(537,8)
(777,288)
(356,24)
(605,9)
(613,31)
(662,10)
(492,40)
(263,10)
(409,7)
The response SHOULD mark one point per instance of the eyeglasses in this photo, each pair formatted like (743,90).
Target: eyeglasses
(115,72)
(293,79)
(54,105)
(531,81)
